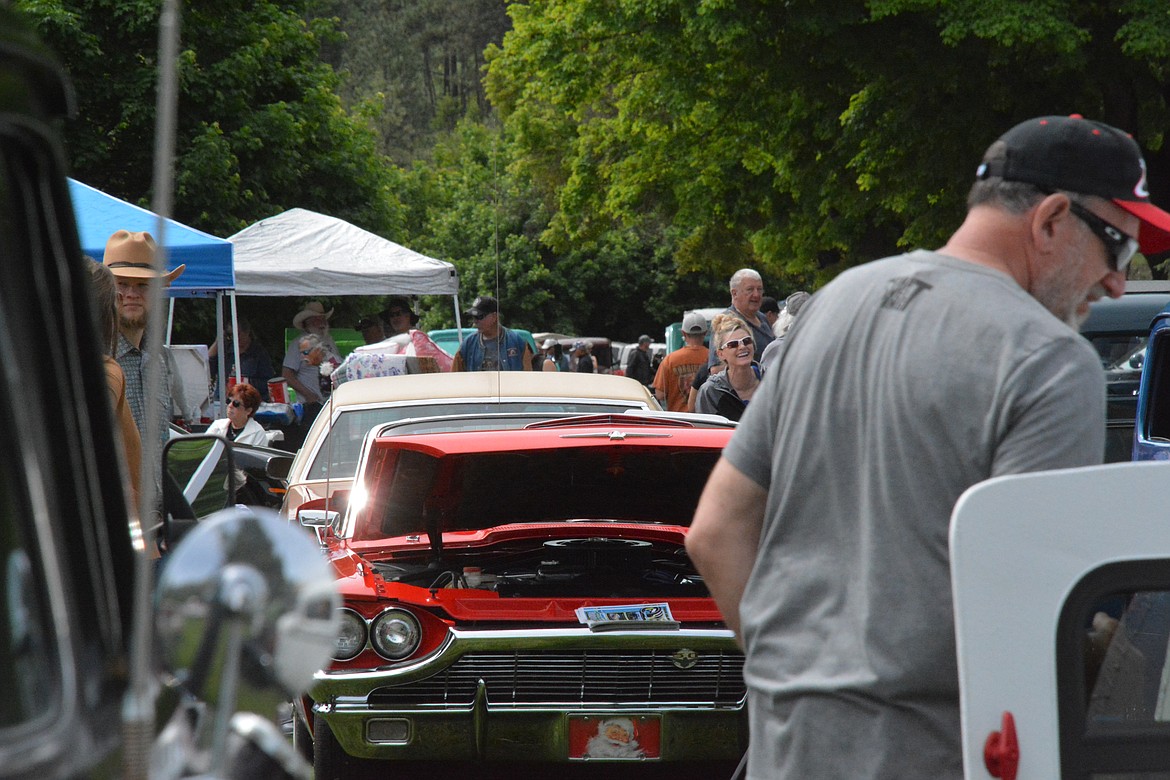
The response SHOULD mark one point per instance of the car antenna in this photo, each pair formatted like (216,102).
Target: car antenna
(138,706)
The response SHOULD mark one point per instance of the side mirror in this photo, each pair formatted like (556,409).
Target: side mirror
(319,518)
(198,479)
(247,611)
(278,468)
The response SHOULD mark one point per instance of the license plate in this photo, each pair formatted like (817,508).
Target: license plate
(615,737)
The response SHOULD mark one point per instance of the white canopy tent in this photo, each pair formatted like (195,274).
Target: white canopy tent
(301,252)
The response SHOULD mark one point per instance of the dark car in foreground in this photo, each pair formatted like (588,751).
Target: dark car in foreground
(80,693)
(1152,433)
(525,596)
(1119,328)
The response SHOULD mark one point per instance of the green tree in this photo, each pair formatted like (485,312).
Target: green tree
(476,211)
(804,137)
(261,128)
(419,61)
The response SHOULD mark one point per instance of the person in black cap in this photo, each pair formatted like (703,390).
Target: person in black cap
(638,364)
(371,328)
(822,531)
(492,347)
(399,316)
(770,309)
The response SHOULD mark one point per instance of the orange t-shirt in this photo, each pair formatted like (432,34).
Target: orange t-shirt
(675,374)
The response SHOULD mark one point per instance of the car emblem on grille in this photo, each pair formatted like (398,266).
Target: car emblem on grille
(685,658)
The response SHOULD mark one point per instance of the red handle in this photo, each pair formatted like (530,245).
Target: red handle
(1001,751)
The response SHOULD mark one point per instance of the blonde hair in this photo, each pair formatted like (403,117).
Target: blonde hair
(723,324)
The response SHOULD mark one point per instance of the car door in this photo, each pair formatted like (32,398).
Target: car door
(66,544)
(1061,585)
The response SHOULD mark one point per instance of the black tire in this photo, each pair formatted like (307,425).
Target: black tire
(331,762)
(302,738)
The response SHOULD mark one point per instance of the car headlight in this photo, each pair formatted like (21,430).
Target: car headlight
(395,634)
(351,636)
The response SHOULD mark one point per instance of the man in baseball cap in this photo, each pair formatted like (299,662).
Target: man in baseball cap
(902,383)
(1081,156)
(672,381)
(638,363)
(492,347)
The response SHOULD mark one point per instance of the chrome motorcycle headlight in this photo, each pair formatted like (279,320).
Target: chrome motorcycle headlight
(395,634)
(351,637)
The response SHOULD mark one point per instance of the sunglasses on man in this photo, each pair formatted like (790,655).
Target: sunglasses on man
(1120,247)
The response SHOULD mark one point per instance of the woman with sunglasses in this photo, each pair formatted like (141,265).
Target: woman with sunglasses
(239,425)
(728,392)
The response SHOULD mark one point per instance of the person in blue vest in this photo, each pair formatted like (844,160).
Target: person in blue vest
(492,347)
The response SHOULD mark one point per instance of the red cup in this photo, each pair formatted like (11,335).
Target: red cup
(277,391)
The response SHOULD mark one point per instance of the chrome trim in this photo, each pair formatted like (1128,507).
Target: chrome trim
(627,668)
(365,642)
(409,617)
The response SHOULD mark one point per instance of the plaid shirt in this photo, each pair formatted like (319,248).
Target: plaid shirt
(134,365)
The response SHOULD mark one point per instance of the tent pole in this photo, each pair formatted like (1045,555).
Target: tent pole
(236,331)
(221,358)
(458,323)
(170,319)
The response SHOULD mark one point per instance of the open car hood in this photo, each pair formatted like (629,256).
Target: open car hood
(431,484)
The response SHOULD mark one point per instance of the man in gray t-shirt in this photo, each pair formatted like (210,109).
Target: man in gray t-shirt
(822,532)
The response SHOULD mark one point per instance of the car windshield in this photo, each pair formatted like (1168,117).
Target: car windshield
(339,447)
(471,491)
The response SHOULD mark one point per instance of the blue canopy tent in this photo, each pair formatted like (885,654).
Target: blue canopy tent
(208,258)
(210,267)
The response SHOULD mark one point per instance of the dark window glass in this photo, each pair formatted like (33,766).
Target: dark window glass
(338,453)
(1126,661)
(1113,674)
(30,679)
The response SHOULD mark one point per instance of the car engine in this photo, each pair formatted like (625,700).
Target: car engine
(571,567)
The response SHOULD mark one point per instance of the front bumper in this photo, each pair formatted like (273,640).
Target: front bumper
(510,696)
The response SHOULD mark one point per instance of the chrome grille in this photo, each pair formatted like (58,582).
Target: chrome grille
(587,678)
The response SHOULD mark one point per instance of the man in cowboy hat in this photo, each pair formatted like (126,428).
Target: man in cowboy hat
(302,375)
(492,347)
(133,259)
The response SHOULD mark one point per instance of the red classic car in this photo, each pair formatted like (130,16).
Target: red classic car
(525,595)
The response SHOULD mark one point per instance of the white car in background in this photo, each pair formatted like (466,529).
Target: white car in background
(327,461)
(657,352)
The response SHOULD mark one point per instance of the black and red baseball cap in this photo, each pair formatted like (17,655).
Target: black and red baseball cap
(1080,155)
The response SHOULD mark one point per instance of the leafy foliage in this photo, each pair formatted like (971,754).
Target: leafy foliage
(261,128)
(804,137)
(488,220)
(418,61)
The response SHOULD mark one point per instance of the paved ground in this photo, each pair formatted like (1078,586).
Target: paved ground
(591,771)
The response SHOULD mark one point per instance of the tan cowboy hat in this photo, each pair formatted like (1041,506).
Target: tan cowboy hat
(312,309)
(133,255)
